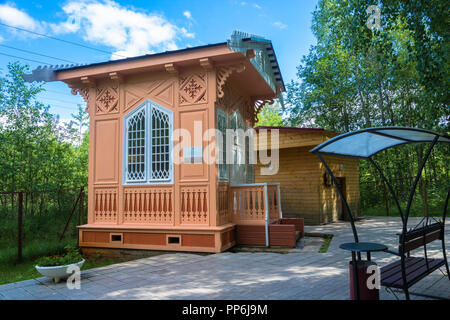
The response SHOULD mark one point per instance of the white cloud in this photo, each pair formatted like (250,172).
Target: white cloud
(280,25)
(130,32)
(10,15)
(187,14)
(186,33)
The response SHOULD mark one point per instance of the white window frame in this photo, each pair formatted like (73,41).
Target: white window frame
(249,167)
(148,105)
(224,146)
(237,149)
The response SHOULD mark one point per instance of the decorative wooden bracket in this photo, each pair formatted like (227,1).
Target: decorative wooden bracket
(206,63)
(84,92)
(259,104)
(116,77)
(88,81)
(223,73)
(171,68)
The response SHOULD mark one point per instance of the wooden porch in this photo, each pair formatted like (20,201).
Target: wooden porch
(256,211)
(146,218)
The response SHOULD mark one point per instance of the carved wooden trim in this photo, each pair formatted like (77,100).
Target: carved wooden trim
(107,100)
(84,92)
(259,104)
(171,68)
(193,89)
(223,73)
(116,77)
(87,81)
(206,63)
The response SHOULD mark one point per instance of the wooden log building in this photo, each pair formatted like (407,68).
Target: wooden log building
(306,190)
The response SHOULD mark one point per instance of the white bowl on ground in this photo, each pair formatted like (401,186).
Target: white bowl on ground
(58,272)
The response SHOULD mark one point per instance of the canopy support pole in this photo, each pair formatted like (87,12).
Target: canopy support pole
(389,187)
(444,253)
(408,207)
(352,222)
(416,181)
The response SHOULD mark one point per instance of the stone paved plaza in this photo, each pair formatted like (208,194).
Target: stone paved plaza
(244,275)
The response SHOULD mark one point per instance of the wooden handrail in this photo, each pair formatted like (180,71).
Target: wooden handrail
(255,202)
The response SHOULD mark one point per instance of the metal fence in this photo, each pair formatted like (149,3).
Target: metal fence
(43,214)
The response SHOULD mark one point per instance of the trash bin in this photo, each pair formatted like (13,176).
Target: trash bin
(364,292)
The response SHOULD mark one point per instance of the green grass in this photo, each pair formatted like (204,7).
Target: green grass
(41,232)
(13,272)
(17,272)
(326,244)
(33,250)
(417,210)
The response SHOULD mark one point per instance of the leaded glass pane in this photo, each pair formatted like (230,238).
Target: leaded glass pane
(250,167)
(136,146)
(160,134)
(237,169)
(222,126)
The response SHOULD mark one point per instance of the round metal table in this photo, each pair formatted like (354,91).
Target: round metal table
(356,248)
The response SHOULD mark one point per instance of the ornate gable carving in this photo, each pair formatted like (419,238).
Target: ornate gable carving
(107,100)
(193,89)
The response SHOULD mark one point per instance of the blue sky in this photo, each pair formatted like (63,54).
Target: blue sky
(129,28)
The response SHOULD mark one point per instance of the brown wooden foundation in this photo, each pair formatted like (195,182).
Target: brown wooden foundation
(282,232)
(170,239)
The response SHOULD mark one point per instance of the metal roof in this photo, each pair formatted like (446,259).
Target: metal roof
(365,143)
(273,60)
(48,72)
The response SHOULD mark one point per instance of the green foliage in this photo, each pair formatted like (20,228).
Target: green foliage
(270,116)
(38,152)
(72,255)
(396,75)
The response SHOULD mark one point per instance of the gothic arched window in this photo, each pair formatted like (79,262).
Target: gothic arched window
(148,145)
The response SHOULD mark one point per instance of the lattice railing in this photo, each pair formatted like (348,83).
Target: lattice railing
(223,204)
(272,196)
(248,202)
(148,205)
(194,205)
(105,207)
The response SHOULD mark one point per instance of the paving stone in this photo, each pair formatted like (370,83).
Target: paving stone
(242,276)
(26,283)
(8,286)
(17,294)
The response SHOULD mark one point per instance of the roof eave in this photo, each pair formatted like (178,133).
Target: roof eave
(68,73)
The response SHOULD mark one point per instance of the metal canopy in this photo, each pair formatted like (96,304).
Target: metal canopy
(368,142)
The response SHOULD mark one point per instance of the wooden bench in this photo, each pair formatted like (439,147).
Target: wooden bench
(409,270)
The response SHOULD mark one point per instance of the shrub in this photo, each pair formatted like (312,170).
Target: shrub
(72,255)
